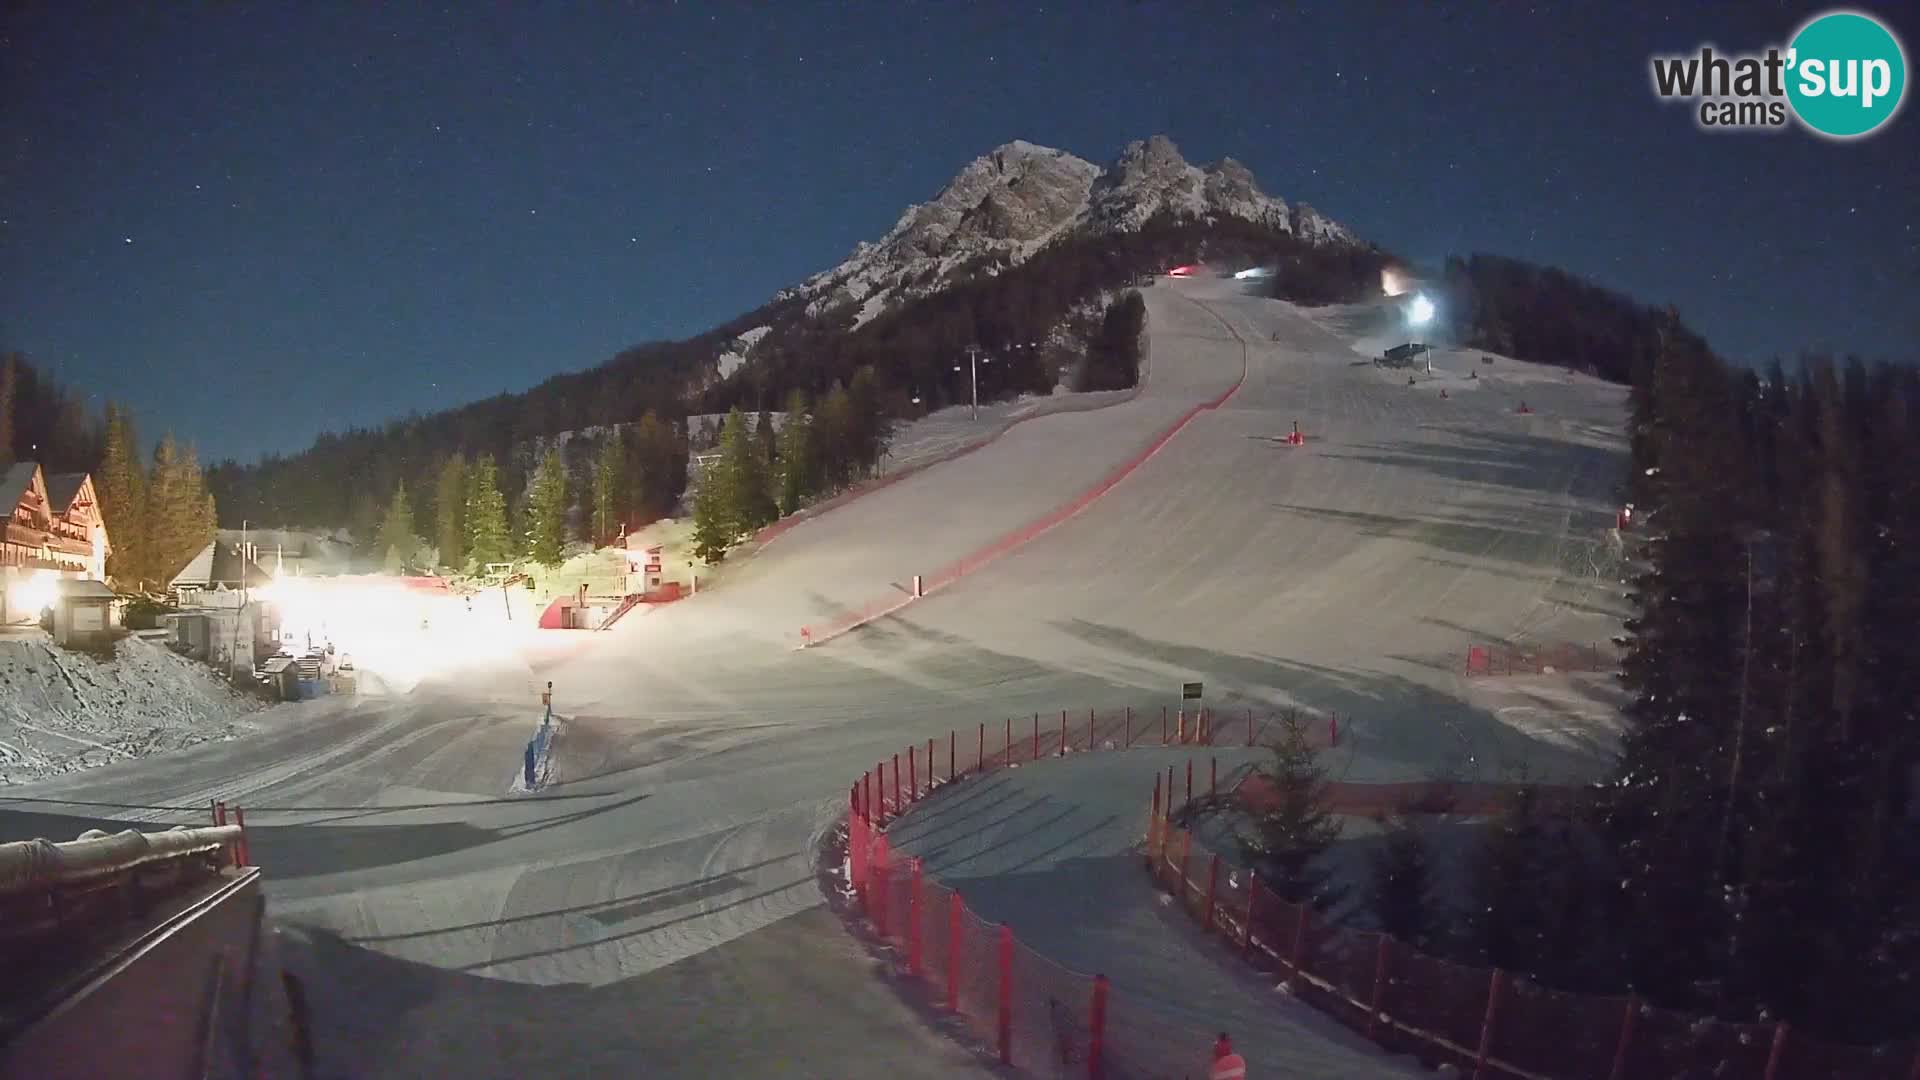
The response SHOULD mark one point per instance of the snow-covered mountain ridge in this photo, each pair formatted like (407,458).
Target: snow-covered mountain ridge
(1012,202)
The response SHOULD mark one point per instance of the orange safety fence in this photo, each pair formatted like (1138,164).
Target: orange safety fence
(1491,1022)
(1503,658)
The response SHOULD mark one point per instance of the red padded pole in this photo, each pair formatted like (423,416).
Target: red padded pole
(1097,1029)
(1006,995)
(954,929)
(913,774)
(897,805)
(930,743)
(913,919)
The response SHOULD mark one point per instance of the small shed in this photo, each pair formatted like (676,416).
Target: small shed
(82,613)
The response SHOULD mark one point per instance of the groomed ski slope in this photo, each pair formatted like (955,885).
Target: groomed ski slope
(658,906)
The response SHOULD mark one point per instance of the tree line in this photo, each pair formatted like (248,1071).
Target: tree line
(1545,315)
(1755,853)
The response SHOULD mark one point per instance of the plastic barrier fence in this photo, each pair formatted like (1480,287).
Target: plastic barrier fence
(1034,1013)
(1487,1022)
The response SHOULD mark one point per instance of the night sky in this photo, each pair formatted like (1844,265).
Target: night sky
(254,223)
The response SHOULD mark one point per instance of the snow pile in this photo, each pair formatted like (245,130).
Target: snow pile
(1012,202)
(62,711)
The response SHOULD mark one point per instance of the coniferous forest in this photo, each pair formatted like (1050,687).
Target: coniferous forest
(1766,812)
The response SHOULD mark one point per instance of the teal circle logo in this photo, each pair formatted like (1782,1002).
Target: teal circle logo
(1846,74)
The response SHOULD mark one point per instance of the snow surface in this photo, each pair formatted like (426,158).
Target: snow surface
(659,901)
(62,711)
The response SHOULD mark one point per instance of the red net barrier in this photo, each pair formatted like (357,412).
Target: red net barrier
(1538,658)
(1050,1020)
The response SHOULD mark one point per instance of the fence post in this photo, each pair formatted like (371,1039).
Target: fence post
(1779,1048)
(1006,995)
(1189,779)
(980,755)
(1619,1070)
(1496,985)
(1180,726)
(1092,735)
(954,929)
(1129,729)
(866,798)
(1213,776)
(1009,747)
(897,804)
(1154,834)
(1379,987)
(930,770)
(882,873)
(1249,726)
(913,774)
(1169,803)
(1213,888)
(1063,733)
(913,919)
(1036,738)
(1333,729)
(953,744)
(1097,1028)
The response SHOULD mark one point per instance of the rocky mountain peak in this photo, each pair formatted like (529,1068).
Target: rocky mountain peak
(1009,203)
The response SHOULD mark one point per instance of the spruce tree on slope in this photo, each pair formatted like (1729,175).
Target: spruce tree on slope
(547,511)
(396,532)
(122,489)
(714,526)
(488,540)
(1283,840)
(796,462)
(747,480)
(609,487)
(1400,887)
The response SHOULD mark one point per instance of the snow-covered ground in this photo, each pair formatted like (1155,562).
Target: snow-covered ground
(658,902)
(63,711)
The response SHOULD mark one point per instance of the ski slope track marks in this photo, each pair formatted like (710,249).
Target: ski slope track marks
(656,907)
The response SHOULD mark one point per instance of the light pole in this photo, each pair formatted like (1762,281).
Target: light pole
(973,359)
(1419,314)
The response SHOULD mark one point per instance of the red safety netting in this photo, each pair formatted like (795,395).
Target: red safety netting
(1406,999)
(1047,1019)
(1537,658)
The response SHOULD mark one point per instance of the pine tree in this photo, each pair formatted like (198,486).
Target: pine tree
(796,455)
(179,514)
(1282,840)
(767,440)
(1401,887)
(652,455)
(714,527)
(610,488)
(450,509)
(397,539)
(835,439)
(547,511)
(749,502)
(488,540)
(122,489)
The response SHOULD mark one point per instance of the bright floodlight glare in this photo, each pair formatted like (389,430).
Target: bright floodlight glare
(1421,311)
(1392,283)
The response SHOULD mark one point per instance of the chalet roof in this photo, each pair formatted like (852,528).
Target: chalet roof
(84,589)
(61,488)
(15,482)
(220,564)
